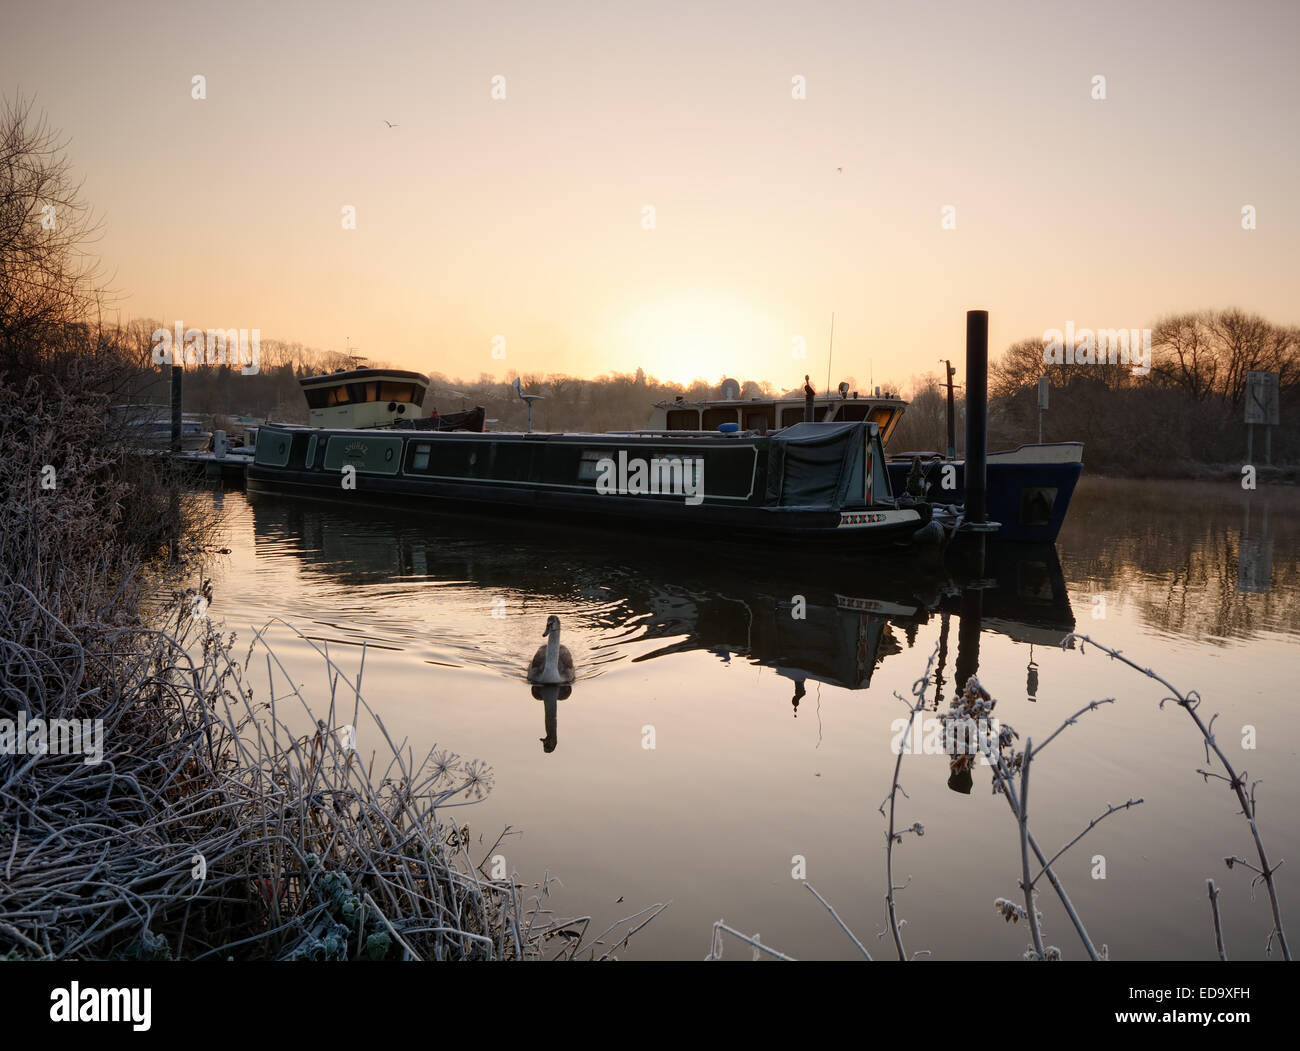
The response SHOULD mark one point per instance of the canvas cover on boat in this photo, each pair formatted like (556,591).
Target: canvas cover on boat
(821,466)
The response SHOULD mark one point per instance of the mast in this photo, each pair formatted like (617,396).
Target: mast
(830,354)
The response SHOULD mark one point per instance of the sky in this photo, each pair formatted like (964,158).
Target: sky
(499,234)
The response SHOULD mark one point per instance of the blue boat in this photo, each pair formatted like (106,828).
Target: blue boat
(1029,487)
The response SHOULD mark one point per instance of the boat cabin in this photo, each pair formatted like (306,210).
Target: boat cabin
(764,415)
(364,398)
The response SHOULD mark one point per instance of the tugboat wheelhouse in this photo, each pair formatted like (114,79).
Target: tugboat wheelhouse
(765,415)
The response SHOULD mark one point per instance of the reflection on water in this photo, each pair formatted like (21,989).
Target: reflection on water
(1195,558)
(765,685)
(829,620)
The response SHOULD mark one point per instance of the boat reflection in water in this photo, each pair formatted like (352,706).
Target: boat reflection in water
(830,619)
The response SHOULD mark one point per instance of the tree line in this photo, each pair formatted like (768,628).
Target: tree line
(1185,414)
(1188,412)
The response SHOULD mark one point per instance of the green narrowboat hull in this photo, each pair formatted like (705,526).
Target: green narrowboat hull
(823,481)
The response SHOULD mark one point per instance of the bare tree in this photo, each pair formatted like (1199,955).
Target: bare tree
(47,279)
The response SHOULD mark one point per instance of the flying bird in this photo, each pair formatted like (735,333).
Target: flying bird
(391,124)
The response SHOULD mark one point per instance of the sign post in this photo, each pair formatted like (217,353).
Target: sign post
(1042,405)
(1262,409)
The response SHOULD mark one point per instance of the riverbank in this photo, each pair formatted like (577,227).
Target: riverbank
(168,792)
(1264,475)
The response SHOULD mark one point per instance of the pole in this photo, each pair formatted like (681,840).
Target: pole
(176,408)
(952,413)
(977,384)
(1043,388)
(830,354)
(968,640)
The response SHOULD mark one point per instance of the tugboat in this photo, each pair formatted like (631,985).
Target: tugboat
(366,398)
(764,415)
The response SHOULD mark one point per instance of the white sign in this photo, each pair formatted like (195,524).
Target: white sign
(1261,398)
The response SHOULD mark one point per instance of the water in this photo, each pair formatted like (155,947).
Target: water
(771,734)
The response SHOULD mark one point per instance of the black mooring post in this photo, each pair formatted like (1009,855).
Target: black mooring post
(176,408)
(968,631)
(968,651)
(977,412)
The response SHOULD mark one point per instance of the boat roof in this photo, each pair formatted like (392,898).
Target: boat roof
(784,399)
(329,379)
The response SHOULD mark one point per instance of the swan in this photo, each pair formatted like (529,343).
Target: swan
(552,663)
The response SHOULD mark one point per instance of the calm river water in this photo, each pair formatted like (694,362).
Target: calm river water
(772,734)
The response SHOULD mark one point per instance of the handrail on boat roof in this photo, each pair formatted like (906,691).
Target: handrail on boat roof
(651,432)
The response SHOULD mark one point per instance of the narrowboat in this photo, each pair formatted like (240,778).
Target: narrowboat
(824,482)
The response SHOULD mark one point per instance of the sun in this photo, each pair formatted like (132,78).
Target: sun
(696,335)
(691,348)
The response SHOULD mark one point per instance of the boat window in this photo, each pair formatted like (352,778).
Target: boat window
(1036,504)
(714,417)
(420,460)
(793,414)
(761,418)
(337,395)
(683,419)
(587,464)
(885,419)
(852,413)
(676,473)
(404,392)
